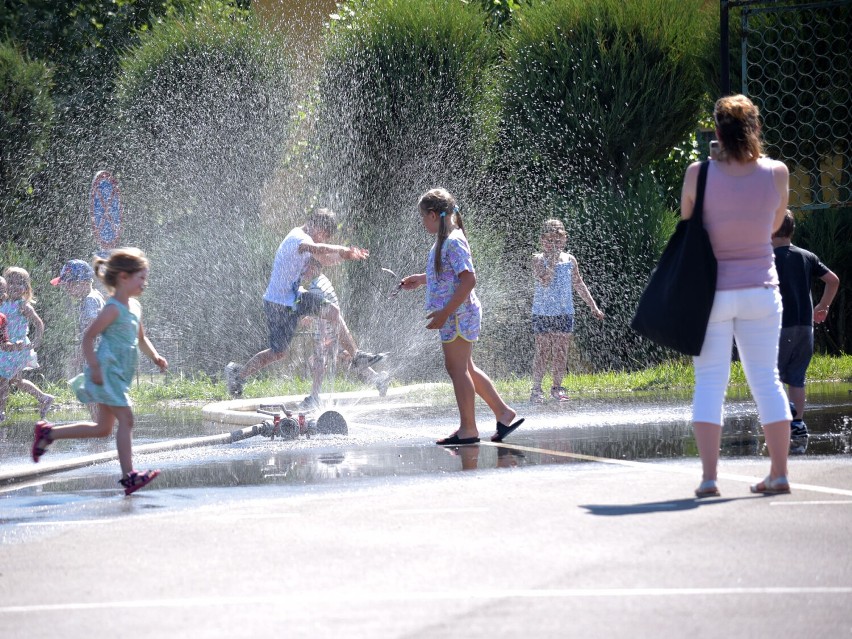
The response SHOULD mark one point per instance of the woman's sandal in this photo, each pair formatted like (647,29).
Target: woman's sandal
(707,488)
(134,481)
(41,434)
(778,486)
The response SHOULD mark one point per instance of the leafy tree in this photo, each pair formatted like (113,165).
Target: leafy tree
(26,117)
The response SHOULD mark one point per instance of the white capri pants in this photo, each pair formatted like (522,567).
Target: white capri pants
(753,317)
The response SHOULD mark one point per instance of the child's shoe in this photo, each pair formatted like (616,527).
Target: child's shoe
(309,403)
(537,396)
(363,359)
(382,383)
(798,437)
(41,435)
(233,382)
(134,481)
(44,405)
(559,394)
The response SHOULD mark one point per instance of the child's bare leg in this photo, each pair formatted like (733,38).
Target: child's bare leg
(87,430)
(4,394)
(332,313)
(542,351)
(124,437)
(458,363)
(81,430)
(28,387)
(260,361)
(561,342)
(485,389)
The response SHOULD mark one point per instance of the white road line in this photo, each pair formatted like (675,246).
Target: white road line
(71,522)
(813,503)
(331,597)
(663,468)
(432,511)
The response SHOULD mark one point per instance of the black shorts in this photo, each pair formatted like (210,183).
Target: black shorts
(795,350)
(552,324)
(282,321)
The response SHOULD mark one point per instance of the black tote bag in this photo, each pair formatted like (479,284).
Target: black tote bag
(674,309)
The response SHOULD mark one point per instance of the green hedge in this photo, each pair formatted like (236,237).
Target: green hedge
(404,104)
(594,90)
(26,118)
(205,112)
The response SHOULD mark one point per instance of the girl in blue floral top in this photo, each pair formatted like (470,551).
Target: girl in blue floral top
(454,310)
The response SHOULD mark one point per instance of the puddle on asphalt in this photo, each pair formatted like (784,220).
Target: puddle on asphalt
(382,444)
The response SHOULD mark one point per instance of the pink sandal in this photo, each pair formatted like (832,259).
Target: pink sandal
(41,433)
(134,481)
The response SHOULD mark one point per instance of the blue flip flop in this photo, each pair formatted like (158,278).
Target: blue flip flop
(504,431)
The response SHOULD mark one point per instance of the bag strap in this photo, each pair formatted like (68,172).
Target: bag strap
(698,208)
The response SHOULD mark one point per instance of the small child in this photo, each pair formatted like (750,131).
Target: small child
(796,270)
(16,303)
(455,311)
(75,279)
(5,344)
(327,337)
(557,274)
(109,371)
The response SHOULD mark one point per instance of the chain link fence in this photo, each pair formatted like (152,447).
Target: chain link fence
(796,67)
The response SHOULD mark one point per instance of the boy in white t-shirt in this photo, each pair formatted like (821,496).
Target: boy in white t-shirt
(286,301)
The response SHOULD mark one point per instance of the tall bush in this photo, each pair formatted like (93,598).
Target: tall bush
(205,112)
(827,233)
(26,117)
(597,89)
(403,106)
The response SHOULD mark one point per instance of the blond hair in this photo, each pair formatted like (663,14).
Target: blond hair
(17,276)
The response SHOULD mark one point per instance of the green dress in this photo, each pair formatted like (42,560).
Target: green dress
(117,354)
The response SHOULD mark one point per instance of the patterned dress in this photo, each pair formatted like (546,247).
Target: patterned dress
(455,259)
(117,354)
(17,326)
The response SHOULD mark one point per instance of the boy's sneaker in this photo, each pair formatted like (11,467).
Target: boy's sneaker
(309,403)
(363,359)
(798,437)
(537,396)
(233,382)
(382,382)
(559,394)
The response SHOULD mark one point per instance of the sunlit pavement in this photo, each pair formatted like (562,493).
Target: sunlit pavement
(384,534)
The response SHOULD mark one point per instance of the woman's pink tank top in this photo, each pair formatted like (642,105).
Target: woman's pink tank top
(739,213)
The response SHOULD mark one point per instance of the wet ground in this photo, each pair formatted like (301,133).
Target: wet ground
(582,524)
(395,439)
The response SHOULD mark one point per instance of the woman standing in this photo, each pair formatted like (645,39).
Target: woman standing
(744,203)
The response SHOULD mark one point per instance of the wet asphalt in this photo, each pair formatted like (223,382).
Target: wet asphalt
(573,527)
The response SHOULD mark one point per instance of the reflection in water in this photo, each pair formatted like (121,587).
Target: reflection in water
(400,445)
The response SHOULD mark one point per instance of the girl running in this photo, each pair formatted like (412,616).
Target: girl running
(16,303)
(109,371)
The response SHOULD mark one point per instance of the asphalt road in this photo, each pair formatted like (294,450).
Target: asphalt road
(587,548)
